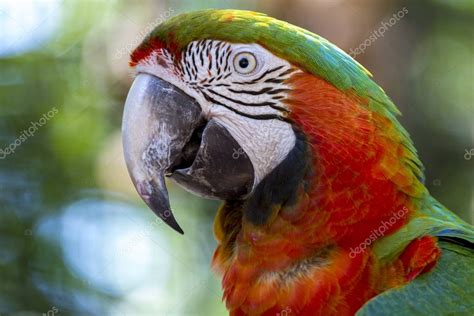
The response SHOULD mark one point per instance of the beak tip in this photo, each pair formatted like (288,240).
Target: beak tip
(168,217)
(176,227)
(155,195)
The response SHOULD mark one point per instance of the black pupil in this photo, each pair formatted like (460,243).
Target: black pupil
(243,62)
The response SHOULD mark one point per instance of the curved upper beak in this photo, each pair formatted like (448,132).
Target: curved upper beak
(165,134)
(158,121)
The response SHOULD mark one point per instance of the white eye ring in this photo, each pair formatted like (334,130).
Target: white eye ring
(245,63)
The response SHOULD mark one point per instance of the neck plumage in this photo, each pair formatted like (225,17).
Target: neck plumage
(315,253)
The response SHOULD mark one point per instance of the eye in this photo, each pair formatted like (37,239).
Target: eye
(245,63)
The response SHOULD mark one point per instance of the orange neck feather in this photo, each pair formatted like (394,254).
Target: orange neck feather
(359,185)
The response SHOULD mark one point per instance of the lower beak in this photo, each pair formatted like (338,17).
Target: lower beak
(165,134)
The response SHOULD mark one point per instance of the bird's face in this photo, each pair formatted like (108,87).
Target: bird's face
(212,117)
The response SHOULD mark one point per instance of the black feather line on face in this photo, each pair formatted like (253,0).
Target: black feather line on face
(255,116)
(269,71)
(282,185)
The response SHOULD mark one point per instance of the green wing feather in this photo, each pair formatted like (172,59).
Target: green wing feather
(432,219)
(446,290)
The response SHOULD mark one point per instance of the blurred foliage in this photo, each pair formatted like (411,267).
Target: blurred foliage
(66,204)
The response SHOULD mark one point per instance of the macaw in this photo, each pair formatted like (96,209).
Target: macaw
(325,211)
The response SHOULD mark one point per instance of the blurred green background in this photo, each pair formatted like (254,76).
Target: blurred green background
(74,237)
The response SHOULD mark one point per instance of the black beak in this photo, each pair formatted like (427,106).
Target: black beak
(165,134)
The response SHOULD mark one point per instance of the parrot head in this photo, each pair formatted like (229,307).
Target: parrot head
(287,129)
(237,106)
(209,111)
